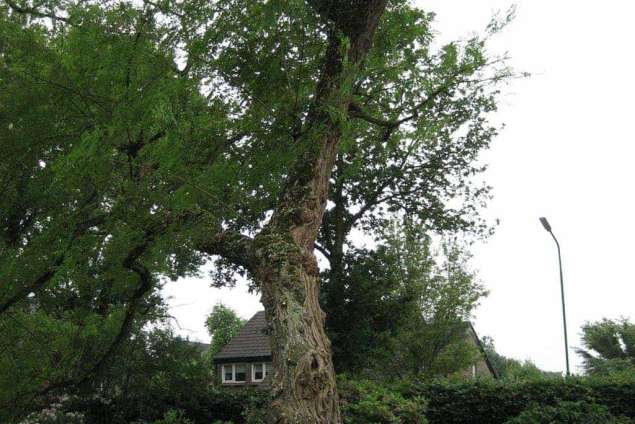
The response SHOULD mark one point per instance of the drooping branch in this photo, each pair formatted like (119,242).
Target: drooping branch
(45,276)
(145,285)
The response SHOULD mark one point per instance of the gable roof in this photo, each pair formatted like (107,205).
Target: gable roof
(481,348)
(250,343)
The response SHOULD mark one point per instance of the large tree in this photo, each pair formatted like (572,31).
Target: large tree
(408,306)
(414,146)
(141,139)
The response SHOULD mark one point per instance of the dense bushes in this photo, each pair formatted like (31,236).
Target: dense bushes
(568,412)
(365,402)
(204,406)
(574,401)
(496,402)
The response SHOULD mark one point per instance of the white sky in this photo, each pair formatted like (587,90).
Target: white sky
(564,154)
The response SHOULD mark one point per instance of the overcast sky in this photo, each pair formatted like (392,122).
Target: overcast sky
(566,153)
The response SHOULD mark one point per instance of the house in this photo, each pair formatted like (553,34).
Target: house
(246,359)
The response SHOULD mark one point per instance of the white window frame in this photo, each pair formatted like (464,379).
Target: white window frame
(266,369)
(233,379)
(253,372)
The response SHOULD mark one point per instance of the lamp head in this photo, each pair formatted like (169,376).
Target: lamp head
(545,223)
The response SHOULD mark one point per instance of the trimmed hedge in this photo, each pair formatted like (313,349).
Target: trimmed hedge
(201,407)
(495,402)
(363,401)
(568,412)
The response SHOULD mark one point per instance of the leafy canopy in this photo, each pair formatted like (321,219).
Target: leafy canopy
(132,132)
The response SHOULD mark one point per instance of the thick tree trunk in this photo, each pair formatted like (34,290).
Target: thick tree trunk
(304,388)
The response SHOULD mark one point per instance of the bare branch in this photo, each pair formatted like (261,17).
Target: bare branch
(323,250)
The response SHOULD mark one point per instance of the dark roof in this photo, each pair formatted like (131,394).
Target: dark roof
(480,346)
(251,342)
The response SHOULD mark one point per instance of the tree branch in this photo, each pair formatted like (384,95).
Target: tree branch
(44,277)
(323,250)
(232,246)
(356,111)
(35,12)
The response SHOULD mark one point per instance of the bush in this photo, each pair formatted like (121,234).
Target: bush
(173,417)
(54,414)
(366,402)
(203,406)
(568,413)
(495,402)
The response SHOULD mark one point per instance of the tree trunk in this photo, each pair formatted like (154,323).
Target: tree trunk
(335,296)
(304,388)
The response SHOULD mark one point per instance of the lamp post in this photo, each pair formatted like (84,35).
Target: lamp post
(545,224)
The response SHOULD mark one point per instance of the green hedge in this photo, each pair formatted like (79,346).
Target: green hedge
(568,412)
(367,402)
(496,402)
(201,407)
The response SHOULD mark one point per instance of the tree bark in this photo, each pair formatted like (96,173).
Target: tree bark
(286,270)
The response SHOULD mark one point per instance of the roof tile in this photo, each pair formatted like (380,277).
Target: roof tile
(251,340)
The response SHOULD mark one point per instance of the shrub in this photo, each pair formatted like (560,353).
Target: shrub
(366,402)
(202,406)
(495,402)
(173,417)
(568,413)
(54,414)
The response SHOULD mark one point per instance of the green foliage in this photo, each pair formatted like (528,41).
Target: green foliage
(223,324)
(54,414)
(609,347)
(405,308)
(173,417)
(495,402)
(151,374)
(423,168)
(568,413)
(157,376)
(367,402)
(134,132)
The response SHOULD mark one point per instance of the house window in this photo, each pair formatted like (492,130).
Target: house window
(240,373)
(260,371)
(234,373)
(228,373)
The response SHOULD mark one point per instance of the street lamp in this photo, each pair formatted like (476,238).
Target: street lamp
(545,224)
